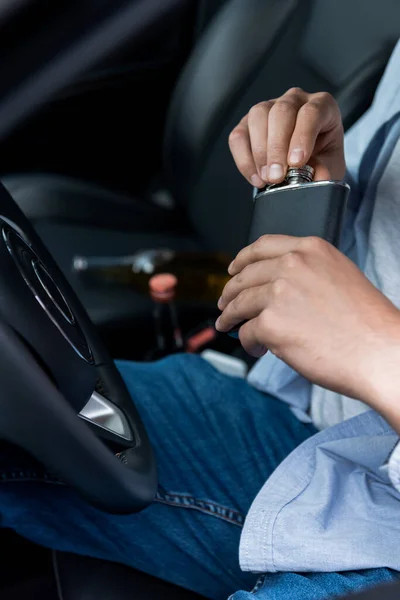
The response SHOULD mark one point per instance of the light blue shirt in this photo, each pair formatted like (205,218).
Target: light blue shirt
(334,503)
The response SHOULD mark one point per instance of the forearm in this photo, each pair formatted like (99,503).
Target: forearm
(383,379)
(388,405)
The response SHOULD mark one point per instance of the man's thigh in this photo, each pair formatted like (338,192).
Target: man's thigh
(316,586)
(216,439)
(215,436)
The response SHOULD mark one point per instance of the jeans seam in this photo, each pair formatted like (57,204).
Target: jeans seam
(259,584)
(178,500)
(208,507)
(27,476)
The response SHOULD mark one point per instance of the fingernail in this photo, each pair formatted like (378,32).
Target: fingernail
(217,322)
(257,181)
(230,268)
(275,172)
(219,303)
(264,172)
(296,155)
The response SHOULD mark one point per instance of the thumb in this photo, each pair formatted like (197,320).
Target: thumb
(249,335)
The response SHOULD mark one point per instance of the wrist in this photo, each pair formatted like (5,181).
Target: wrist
(381,372)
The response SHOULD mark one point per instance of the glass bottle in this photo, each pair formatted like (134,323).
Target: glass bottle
(168,335)
(201,275)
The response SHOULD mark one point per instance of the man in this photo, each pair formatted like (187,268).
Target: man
(322,507)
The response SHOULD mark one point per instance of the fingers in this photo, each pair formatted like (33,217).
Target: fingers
(253,275)
(249,335)
(247,305)
(266,247)
(284,132)
(281,123)
(262,138)
(318,115)
(239,144)
(258,135)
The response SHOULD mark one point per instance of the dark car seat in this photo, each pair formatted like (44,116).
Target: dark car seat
(250,52)
(64,576)
(82,578)
(33,572)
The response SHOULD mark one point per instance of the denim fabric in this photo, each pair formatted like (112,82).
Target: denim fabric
(314,586)
(217,440)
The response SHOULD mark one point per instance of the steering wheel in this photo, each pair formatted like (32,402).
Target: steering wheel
(62,398)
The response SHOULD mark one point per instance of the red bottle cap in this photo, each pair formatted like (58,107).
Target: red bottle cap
(162,287)
(200,339)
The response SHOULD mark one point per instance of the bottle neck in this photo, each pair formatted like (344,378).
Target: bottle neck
(294,176)
(299,175)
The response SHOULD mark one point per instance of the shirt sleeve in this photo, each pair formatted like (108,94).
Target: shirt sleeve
(386,103)
(394,467)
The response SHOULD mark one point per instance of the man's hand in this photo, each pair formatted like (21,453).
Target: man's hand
(296,129)
(312,307)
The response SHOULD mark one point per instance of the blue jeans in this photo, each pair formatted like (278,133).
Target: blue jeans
(217,440)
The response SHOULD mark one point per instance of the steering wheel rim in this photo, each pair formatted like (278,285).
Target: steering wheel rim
(54,366)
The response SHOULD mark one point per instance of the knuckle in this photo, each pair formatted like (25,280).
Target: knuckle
(238,302)
(236,135)
(238,279)
(227,291)
(266,104)
(233,285)
(259,244)
(275,149)
(312,108)
(243,277)
(284,106)
(295,91)
(313,244)
(259,152)
(279,287)
(260,109)
(292,261)
(325,97)
(256,110)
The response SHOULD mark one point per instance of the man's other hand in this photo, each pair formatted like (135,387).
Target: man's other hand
(296,129)
(312,307)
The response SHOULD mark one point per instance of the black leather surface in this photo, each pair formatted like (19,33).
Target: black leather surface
(77,218)
(30,572)
(315,209)
(58,198)
(40,588)
(87,220)
(82,578)
(229,55)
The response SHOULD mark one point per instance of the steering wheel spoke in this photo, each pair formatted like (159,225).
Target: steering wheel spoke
(55,369)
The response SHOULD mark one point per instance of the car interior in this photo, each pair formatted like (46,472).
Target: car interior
(114,121)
